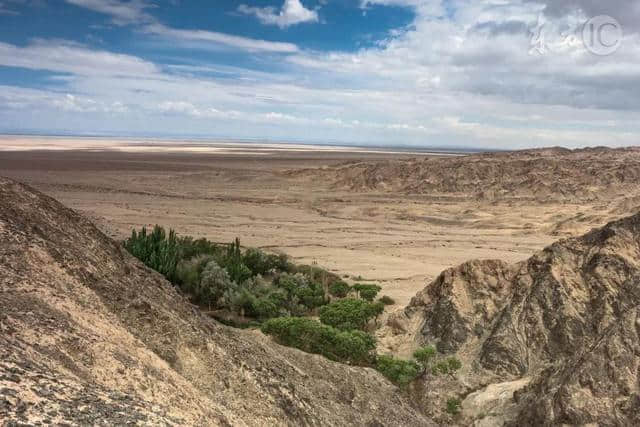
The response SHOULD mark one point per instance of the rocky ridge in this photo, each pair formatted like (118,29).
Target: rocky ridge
(543,175)
(557,334)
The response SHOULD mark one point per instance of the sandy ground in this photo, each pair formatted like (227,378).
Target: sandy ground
(230,190)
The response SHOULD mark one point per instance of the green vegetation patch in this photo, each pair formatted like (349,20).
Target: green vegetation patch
(355,347)
(400,372)
(367,292)
(349,314)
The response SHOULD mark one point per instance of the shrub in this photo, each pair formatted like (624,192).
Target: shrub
(213,284)
(188,273)
(349,314)
(339,289)
(386,300)
(367,292)
(317,274)
(425,355)
(282,263)
(453,406)
(401,372)
(192,248)
(156,250)
(238,272)
(313,337)
(454,364)
(261,263)
(257,298)
(302,295)
(377,308)
(265,308)
(447,366)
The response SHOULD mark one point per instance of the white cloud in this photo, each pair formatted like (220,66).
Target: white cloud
(244,43)
(122,13)
(39,100)
(292,12)
(67,57)
(134,12)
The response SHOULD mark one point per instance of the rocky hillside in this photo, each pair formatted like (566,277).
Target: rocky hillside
(553,338)
(544,175)
(90,336)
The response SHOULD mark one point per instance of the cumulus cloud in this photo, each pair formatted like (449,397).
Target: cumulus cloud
(292,12)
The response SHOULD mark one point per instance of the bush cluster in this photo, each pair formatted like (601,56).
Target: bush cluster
(387,300)
(339,289)
(309,335)
(367,292)
(156,250)
(349,314)
(269,289)
(446,366)
(226,277)
(401,372)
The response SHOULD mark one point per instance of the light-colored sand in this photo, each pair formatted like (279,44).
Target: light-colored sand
(146,145)
(398,241)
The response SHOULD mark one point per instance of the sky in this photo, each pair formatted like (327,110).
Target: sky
(501,74)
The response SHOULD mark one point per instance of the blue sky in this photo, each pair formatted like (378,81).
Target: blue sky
(380,72)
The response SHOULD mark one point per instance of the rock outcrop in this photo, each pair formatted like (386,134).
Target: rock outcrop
(564,325)
(90,336)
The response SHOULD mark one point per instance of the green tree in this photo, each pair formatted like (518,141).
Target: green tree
(191,248)
(339,289)
(367,292)
(233,263)
(302,294)
(156,250)
(401,372)
(258,262)
(349,314)
(189,272)
(215,281)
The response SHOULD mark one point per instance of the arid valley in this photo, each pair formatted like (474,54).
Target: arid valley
(488,257)
(296,200)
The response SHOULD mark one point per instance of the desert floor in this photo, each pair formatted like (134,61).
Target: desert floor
(228,190)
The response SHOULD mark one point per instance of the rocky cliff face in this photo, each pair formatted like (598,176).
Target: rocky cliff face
(564,326)
(88,335)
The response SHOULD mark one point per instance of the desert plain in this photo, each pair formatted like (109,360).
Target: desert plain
(336,207)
